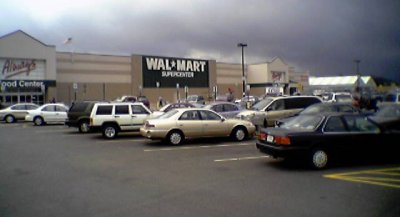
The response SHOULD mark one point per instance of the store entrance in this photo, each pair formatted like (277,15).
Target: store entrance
(7,99)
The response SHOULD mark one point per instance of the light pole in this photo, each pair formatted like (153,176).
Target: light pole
(243,45)
(358,74)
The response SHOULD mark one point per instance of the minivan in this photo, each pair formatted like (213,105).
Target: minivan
(267,111)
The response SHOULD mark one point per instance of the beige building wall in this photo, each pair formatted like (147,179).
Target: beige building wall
(229,75)
(20,45)
(277,65)
(263,75)
(92,77)
(257,73)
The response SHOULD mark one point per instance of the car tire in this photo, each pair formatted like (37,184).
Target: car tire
(110,131)
(239,134)
(84,127)
(9,119)
(175,137)
(38,121)
(318,158)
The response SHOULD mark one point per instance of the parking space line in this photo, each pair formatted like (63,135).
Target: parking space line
(388,177)
(122,140)
(195,147)
(242,158)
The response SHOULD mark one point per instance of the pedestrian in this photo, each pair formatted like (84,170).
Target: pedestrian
(160,103)
(230,96)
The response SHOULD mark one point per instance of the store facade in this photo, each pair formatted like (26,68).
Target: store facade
(35,72)
(28,69)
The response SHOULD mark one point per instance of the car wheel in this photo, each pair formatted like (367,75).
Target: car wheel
(10,119)
(38,121)
(175,137)
(239,133)
(318,158)
(84,127)
(110,131)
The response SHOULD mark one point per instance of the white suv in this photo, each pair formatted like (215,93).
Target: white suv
(111,118)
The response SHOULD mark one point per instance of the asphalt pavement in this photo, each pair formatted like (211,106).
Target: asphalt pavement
(55,171)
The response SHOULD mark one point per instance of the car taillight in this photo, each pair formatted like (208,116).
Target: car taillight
(262,136)
(282,140)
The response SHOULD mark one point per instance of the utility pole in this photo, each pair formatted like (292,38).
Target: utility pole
(243,45)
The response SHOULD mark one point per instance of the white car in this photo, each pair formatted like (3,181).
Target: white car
(16,112)
(48,113)
(339,97)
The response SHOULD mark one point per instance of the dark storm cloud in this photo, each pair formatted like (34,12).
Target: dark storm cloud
(324,37)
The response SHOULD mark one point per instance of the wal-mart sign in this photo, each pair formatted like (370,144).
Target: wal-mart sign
(167,72)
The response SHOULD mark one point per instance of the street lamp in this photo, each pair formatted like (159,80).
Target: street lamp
(358,73)
(243,45)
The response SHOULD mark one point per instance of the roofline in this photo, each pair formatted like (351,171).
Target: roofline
(12,33)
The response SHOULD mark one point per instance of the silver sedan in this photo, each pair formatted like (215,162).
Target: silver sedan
(179,124)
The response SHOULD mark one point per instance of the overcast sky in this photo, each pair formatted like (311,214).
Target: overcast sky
(323,37)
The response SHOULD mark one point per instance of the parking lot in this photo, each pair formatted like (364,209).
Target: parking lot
(53,170)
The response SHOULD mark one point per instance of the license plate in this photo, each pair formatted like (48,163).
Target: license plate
(270,138)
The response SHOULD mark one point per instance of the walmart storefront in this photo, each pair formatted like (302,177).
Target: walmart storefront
(33,71)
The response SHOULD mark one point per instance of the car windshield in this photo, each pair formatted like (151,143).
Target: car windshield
(305,122)
(165,107)
(314,109)
(262,104)
(168,114)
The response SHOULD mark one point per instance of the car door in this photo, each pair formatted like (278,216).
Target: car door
(123,117)
(19,111)
(61,113)
(191,124)
(139,116)
(49,113)
(214,125)
(365,135)
(275,111)
(336,136)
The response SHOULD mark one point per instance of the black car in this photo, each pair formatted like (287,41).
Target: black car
(319,138)
(79,115)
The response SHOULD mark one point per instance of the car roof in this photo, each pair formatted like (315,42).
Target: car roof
(119,103)
(220,102)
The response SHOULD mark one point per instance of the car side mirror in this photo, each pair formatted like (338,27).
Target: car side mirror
(223,119)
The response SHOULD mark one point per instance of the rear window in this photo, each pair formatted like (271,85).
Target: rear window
(300,102)
(79,107)
(229,107)
(104,110)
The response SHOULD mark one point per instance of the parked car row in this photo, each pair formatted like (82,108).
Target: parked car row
(39,115)
(319,133)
